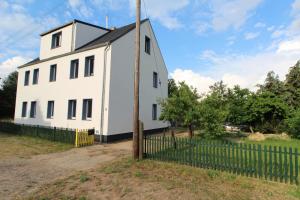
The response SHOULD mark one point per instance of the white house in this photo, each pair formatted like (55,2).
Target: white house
(84,79)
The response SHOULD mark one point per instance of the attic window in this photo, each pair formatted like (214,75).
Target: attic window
(147,45)
(56,40)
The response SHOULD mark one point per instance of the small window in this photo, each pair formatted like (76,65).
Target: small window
(89,66)
(154,111)
(155,79)
(56,40)
(52,73)
(87,109)
(147,45)
(74,69)
(72,109)
(26,80)
(33,109)
(35,76)
(50,109)
(24,109)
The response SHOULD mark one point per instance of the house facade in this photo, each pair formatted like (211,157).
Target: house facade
(84,79)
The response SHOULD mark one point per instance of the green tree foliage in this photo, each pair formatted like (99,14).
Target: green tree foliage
(8,95)
(181,107)
(237,101)
(292,86)
(272,84)
(293,124)
(172,87)
(265,112)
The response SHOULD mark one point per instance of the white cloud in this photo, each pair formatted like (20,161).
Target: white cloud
(259,25)
(289,46)
(251,35)
(192,78)
(226,14)
(11,65)
(80,7)
(163,11)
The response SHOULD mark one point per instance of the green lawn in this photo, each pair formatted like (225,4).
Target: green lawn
(294,143)
(24,146)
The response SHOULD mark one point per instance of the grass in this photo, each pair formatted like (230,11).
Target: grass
(147,179)
(294,143)
(24,146)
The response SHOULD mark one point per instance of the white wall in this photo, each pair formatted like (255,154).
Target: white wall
(84,33)
(122,79)
(66,43)
(61,91)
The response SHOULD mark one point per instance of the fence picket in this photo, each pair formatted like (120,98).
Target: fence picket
(268,162)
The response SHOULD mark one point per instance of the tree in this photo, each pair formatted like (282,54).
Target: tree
(265,112)
(272,84)
(181,107)
(8,95)
(172,87)
(237,99)
(293,124)
(292,86)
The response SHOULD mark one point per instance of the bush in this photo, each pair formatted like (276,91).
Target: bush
(293,124)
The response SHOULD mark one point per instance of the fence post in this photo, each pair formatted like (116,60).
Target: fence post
(141,138)
(296,166)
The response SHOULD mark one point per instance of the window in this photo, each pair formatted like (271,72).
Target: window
(147,45)
(154,111)
(52,73)
(72,109)
(50,109)
(24,109)
(74,69)
(33,109)
(56,40)
(89,66)
(35,76)
(155,79)
(87,109)
(26,80)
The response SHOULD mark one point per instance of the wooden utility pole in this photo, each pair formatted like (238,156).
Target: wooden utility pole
(136,83)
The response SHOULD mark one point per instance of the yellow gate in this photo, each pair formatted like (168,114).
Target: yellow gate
(84,137)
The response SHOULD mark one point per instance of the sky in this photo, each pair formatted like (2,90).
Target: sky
(202,41)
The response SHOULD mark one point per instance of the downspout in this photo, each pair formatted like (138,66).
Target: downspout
(107,47)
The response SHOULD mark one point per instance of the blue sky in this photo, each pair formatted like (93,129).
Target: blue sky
(202,41)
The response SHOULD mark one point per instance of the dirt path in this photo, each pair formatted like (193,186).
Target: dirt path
(21,176)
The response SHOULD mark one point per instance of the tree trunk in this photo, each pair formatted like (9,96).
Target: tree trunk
(190,131)
(251,129)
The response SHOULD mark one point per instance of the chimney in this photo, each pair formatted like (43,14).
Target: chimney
(106,21)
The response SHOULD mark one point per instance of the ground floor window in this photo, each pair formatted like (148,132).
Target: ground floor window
(50,109)
(72,109)
(87,109)
(24,109)
(33,109)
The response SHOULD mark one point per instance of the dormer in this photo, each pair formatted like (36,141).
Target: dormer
(68,37)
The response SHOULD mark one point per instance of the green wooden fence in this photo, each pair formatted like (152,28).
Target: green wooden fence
(264,162)
(48,133)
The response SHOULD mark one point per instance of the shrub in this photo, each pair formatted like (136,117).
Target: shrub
(293,124)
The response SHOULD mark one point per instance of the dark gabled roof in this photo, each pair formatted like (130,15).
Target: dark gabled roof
(108,37)
(71,22)
(111,36)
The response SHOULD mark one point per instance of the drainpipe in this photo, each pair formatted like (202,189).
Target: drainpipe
(107,47)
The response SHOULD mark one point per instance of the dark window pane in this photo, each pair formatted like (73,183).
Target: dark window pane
(50,109)
(35,76)
(155,80)
(26,80)
(89,66)
(154,112)
(87,109)
(52,73)
(33,109)
(74,69)
(71,109)
(56,40)
(24,109)
(147,44)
